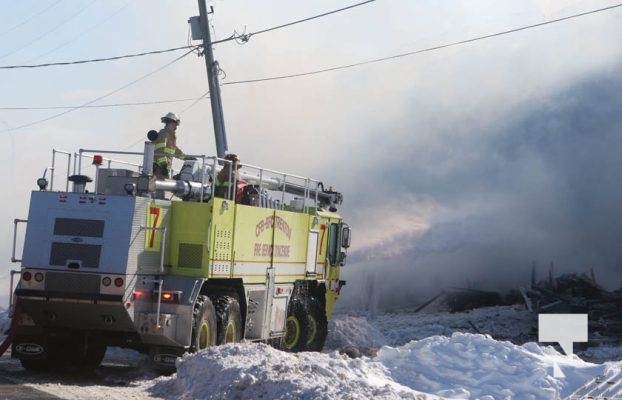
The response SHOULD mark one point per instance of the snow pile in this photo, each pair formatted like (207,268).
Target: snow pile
(258,371)
(476,366)
(458,365)
(463,366)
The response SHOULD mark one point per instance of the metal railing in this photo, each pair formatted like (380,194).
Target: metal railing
(266,179)
(15,222)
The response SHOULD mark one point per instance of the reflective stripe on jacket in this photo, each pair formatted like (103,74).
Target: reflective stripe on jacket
(166,148)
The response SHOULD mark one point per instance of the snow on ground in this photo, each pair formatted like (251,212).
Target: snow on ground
(411,356)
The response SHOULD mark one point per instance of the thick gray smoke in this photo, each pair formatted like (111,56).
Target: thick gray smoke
(543,185)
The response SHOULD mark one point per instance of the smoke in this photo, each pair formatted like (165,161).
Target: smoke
(540,184)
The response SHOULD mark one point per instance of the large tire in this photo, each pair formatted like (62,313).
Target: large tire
(228,319)
(317,325)
(35,365)
(296,327)
(70,354)
(203,324)
(93,355)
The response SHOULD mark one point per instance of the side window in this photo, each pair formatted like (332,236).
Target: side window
(333,244)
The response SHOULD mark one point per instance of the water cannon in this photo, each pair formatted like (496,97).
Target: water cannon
(43,182)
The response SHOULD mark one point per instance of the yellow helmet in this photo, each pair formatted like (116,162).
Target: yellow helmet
(171,117)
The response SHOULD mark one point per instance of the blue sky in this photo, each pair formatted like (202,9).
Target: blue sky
(458,166)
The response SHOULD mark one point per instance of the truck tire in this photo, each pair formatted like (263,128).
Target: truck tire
(228,319)
(296,327)
(93,356)
(35,365)
(203,324)
(317,325)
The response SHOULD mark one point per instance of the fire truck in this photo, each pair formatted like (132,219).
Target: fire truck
(163,266)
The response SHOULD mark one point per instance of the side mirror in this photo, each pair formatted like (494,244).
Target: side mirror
(346,236)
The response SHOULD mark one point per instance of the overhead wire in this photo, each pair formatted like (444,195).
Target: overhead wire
(245,37)
(248,36)
(80,11)
(239,37)
(429,49)
(28,19)
(102,59)
(98,98)
(335,68)
(79,35)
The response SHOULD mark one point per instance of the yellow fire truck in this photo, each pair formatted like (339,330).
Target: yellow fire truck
(165,267)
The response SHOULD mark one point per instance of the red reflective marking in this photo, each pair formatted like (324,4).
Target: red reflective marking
(154,211)
(323,228)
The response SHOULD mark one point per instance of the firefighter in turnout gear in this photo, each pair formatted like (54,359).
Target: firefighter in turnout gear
(166,147)
(228,185)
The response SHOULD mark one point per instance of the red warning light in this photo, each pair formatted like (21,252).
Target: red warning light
(138,294)
(98,160)
(167,296)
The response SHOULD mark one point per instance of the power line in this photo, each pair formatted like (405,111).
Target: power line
(429,49)
(98,98)
(79,35)
(247,36)
(243,37)
(33,16)
(101,59)
(109,105)
(319,71)
(80,11)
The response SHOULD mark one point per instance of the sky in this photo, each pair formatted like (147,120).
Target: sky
(462,166)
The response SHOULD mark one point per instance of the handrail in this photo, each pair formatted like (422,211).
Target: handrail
(159,282)
(11,306)
(306,189)
(15,222)
(53,168)
(93,151)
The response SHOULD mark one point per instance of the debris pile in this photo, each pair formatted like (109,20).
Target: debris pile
(578,294)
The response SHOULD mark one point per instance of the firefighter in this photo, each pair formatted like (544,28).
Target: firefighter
(166,147)
(227,178)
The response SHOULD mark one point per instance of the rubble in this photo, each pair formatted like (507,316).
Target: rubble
(574,293)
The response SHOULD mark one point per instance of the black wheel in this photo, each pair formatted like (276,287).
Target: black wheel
(93,355)
(35,365)
(317,325)
(76,354)
(228,319)
(204,324)
(296,327)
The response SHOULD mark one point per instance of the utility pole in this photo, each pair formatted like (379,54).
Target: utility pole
(214,86)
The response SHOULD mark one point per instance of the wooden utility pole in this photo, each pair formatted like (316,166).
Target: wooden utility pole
(214,87)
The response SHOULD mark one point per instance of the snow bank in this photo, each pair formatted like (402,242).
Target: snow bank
(258,371)
(463,366)
(459,365)
(476,366)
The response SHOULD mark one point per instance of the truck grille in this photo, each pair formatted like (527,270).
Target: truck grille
(64,253)
(190,255)
(79,227)
(72,283)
